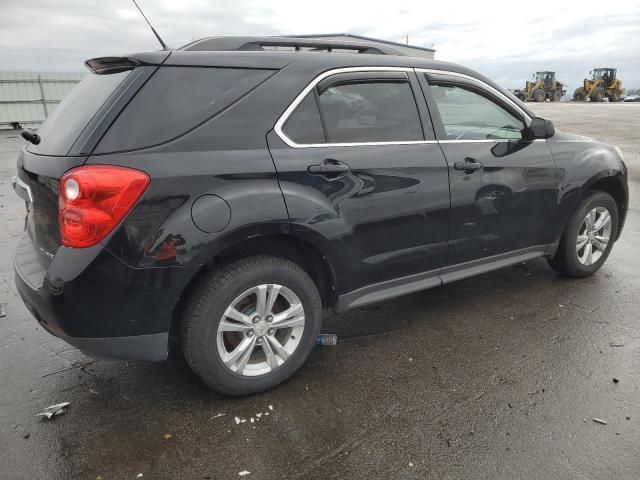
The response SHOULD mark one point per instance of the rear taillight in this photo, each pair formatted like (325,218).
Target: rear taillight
(93,200)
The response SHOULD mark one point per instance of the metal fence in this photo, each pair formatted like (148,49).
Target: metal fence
(27,98)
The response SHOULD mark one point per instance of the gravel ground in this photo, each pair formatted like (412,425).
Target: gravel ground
(498,376)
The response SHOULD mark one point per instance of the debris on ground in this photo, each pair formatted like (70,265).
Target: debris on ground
(54,410)
(167,436)
(95,392)
(237,420)
(614,344)
(271,407)
(244,473)
(26,435)
(599,420)
(3,309)
(258,415)
(615,380)
(218,416)
(140,475)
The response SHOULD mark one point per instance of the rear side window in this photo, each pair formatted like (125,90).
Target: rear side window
(65,124)
(370,112)
(305,125)
(174,101)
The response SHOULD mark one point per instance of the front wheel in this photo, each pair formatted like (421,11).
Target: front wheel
(588,237)
(251,325)
(597,95)
(538,95)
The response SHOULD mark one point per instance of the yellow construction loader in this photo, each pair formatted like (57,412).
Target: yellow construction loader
(543,87)
(602,84)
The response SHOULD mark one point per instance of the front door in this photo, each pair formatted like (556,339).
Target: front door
(363,178)
(503,187)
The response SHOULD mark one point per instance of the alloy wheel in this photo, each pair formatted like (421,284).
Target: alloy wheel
(594,236)
(260,330)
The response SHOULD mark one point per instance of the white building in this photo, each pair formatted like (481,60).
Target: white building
(27,98)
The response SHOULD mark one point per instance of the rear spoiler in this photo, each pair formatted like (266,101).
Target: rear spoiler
(109,65)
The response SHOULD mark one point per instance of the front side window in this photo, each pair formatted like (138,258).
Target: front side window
(370,111)
(468,115)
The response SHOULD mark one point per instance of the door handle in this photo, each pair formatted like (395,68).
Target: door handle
(469,165)
(329,167)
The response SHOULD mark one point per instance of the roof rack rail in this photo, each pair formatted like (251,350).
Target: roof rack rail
(259,44)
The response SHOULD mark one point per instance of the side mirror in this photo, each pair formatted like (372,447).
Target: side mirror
(541,128)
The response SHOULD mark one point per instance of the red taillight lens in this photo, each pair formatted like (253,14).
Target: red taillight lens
(93,200)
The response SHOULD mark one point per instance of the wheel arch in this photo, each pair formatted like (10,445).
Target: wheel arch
(317,265)
(614,186)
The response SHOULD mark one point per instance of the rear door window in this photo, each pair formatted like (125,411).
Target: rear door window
(370,111)
(176,100)
(305,124)
(67,121)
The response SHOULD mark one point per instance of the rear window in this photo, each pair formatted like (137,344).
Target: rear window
(174,101)
(61,129)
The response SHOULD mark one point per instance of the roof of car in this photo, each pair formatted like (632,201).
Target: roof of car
(231,54)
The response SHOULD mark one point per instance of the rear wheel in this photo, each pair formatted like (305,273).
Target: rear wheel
(251,325)
(538,95)
(597,95)
(557,95)
(615,96)
(588,237)
(579,95)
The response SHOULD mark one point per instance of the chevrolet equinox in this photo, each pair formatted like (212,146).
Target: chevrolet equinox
(220,195)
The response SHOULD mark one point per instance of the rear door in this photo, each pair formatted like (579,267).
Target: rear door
(364,177)
(503,186)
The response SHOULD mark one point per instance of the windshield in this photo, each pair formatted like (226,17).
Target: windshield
(64,125)
(598,73)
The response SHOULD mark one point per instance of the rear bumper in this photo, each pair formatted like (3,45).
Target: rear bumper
(96,303)
(152,347)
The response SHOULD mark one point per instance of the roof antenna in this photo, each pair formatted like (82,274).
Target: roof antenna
(164,46)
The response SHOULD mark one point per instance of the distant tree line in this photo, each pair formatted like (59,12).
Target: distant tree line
(632,91)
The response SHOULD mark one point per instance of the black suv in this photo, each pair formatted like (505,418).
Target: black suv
(223,193)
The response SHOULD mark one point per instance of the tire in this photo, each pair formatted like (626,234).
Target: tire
(204,344)
(578,95)
(538,95)
(557,95)
(567,259)
(597,95)
(615,96)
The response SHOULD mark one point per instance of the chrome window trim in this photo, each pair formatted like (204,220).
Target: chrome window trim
(278,127)
(483,85)
(287,113)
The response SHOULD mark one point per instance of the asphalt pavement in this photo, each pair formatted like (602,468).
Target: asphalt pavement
(499,376)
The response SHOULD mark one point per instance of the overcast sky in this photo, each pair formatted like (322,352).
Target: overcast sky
(500,39)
